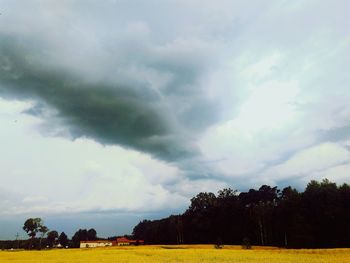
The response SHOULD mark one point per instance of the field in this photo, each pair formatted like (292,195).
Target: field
(195,253)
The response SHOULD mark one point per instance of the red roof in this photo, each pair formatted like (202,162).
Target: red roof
(123,240)
(126,240)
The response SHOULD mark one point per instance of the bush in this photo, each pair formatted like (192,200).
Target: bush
(218,244)
(246,243)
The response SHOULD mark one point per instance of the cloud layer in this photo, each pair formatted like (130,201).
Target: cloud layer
(174,97)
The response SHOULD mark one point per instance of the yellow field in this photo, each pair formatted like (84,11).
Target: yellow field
(195,253)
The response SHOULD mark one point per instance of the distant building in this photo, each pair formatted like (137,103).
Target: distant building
(123,241)
(96,243)
(120,241)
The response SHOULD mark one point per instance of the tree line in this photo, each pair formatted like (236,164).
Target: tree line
(41,237)
(319,217)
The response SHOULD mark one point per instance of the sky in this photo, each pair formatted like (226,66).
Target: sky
(116,111)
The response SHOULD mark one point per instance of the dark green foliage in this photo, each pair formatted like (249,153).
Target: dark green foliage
(164,231)
(52,237)
(83,235)
(318,217)
(91,234)
(63,239)
(33,226)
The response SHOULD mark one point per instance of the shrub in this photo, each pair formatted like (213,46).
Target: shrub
(246,243)
(218,244)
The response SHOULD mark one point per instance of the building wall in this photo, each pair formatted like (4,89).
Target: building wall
(95,244)
(123,244)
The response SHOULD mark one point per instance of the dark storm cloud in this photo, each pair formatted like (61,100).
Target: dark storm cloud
(132,115)
(120,73)
(105,95)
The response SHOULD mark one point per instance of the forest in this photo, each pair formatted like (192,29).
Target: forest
(319,217)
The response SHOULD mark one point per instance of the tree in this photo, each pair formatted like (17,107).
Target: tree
(202,202)
(260,205)
(63,239)
(80,235)
(52,238)
(290,217)
(43,230)
(227,193)
(322,206)
(32,226)
(91,234)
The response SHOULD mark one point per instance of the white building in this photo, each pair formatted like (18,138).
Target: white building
(95,243)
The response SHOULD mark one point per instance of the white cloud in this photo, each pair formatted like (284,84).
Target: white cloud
(310,161)
(270,106)
(246,143)
(262,68)
(35,199)
(338,174)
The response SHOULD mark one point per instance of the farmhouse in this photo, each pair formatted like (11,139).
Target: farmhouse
(123,241)
(96,243)
(120,241)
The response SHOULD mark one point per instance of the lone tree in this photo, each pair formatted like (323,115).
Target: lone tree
(32,226)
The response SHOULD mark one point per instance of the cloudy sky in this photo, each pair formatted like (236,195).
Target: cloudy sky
(115,111)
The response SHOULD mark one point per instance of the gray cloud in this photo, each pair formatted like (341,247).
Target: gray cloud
(224,91)
(117,75)
(336,134)
(122,112)
(228,93)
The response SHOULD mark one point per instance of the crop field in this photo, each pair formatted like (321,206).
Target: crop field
(185,253)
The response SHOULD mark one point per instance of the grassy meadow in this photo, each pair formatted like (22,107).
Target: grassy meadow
(184,253)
